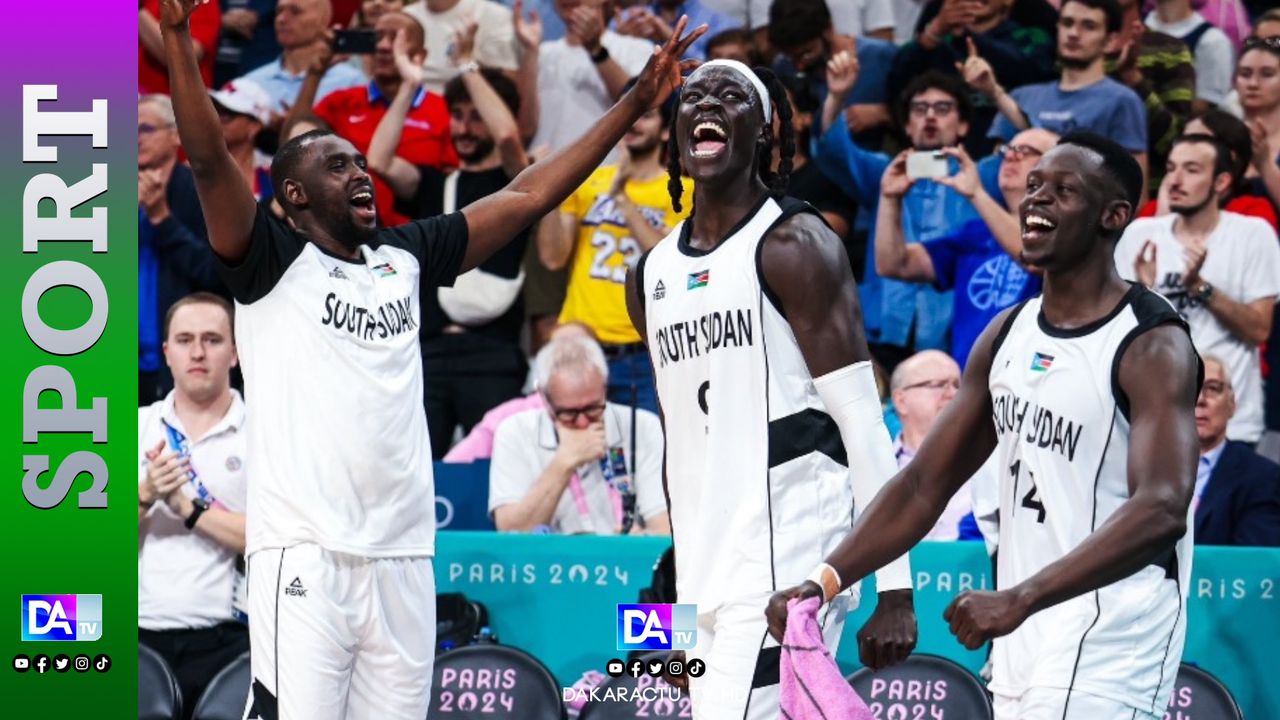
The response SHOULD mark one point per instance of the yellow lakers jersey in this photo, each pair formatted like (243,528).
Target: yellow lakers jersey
(604,249)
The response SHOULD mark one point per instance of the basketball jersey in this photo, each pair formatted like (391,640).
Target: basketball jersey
(338,451)
(756,475)
(604,250)
(1062,424)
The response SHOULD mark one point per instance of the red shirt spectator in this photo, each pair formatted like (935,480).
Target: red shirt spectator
(344,10)
(354,114)
(1251,205)
(206,23)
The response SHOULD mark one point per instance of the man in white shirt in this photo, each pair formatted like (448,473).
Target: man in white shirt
(1214,54)
(581,74)
(1219,269)
(191,500)
(922,385)
(495,43)
(581,464)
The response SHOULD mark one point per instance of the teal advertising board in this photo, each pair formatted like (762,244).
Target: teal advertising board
(556,598)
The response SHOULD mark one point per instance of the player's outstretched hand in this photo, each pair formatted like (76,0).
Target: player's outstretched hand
(890,633)
(776,612)
(681,681)
(176,13)
(977,616)
(664,71)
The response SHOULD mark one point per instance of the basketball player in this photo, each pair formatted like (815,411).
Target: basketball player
(750,314)
(1086,394)
(340,520)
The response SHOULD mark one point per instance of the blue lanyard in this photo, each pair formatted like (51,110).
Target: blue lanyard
(178,442)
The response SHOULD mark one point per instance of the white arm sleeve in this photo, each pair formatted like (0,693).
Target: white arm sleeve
(854,403)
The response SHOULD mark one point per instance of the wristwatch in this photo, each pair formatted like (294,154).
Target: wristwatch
(199,506)
(468,66)
(1203,292)
(600,55)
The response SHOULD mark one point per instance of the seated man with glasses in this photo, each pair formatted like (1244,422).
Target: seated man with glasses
(921,386)
(580,464)
(979,258)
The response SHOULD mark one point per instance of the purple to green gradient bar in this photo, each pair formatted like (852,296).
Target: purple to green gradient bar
(89,51)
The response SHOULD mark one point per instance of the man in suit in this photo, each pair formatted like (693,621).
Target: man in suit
(1237,499)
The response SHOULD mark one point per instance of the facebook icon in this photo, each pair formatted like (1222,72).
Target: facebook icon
(61,618)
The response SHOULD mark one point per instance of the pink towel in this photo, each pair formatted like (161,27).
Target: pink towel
(812,686)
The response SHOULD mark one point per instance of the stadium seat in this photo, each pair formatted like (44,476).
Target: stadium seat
(923,686)
(158,695)
(1197,694)
(661,705)
(225,697)
(490,682)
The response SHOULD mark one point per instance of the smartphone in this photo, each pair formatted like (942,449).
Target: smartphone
(355,42)
(927,164)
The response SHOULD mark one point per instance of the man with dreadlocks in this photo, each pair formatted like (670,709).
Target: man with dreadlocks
(774,434)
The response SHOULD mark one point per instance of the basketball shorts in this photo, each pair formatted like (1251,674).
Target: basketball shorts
(741,678)
(1052,704)
(336,636)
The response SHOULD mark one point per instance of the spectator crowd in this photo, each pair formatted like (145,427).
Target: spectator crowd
(916,124)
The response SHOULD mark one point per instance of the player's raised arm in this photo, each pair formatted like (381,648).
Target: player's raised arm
(1159,374)
(494,220)
(225,195)
(806,268)
(911,502)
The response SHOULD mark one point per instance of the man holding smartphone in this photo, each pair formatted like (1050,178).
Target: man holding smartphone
(354,113)
(300,30)
(904,317)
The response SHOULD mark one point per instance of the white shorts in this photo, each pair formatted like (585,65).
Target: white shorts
(1051,704)
(741,680)
(335,636)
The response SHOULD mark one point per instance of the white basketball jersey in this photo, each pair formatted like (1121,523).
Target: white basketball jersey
(1063,428)
(756,474)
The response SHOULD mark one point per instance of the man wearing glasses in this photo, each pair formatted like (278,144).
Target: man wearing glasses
(174,259)
(922,386)
(580,464)
(934,110)
(979,259)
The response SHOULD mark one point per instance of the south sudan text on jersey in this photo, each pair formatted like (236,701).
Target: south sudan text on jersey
(1043,428)
(694,338)
(392,318)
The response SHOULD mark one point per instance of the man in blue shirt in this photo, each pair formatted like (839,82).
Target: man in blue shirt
(979,258)
(300,29)
(902,317)
(1083,98)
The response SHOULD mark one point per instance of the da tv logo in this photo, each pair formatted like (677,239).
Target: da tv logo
(650,626)
(61,618)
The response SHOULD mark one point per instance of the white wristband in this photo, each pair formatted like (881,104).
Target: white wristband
(829,584)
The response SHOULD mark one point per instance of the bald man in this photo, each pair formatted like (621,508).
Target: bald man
(300,30)
(978,259)
(354,113)
(922,385)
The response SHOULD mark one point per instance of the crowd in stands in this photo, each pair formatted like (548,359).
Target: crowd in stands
(916,123)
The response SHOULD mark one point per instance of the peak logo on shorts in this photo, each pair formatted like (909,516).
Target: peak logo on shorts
(655,626)
(295,589)
(61,618)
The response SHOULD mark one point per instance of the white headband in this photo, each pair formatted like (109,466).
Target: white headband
(745,72)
